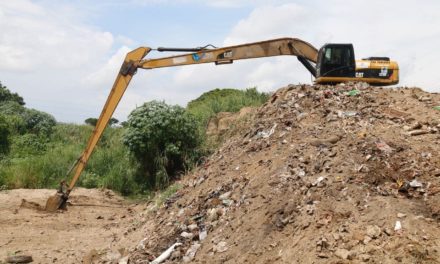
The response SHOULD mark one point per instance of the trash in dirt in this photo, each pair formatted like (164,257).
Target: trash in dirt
(202,235)
(343,253)
(382,146)
(191,252)
(319,181)
(220,247)
(373,231)
(166,254)
(227,202)
(19,259)
(187,235)
(419,132)
(398,226)
(415,184)
(437,107)
(225,195)
(347,114)
(266,134)
(192,227)
(123,260)
(353,92)
(400,215)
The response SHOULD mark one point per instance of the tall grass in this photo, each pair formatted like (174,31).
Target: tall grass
(110,166)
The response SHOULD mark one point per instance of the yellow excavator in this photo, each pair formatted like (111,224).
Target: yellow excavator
(332,64)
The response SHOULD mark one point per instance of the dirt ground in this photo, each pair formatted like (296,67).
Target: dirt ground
(98,223)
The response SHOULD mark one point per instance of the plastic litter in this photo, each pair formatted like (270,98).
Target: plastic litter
(353,92)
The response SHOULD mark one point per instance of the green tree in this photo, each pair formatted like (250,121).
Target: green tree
(91,121)
(163,139)
(6,95)
(4,136)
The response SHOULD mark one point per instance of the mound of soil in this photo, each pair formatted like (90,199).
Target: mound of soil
(345,174)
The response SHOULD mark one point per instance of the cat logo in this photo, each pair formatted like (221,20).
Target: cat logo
(383,72)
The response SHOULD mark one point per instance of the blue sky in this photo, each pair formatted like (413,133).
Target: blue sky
(63,56)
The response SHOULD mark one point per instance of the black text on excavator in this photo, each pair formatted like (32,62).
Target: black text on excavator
(332,64)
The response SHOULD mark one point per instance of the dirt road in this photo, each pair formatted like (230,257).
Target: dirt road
(98,224)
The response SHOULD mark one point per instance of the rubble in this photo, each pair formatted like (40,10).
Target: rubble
(319,174)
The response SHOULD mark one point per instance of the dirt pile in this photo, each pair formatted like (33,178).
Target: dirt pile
(345,174)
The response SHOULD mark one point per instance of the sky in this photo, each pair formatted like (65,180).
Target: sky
(63,56)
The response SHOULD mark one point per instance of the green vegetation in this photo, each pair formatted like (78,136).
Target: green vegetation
(4,137)
(153,147)
(163,139)
(224,100)
(92,121)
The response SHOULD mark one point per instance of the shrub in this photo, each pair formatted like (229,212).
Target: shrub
(164,140)
(38,122)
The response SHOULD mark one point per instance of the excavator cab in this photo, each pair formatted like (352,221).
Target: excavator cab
(336,63)
(336,60)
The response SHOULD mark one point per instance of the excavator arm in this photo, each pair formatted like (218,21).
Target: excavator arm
(134,60)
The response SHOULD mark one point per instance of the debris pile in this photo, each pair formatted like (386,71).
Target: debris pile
(321,174)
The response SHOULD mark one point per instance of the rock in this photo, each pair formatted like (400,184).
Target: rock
(227,202)
(373,231)
(220,247)
(19,259)
(176,254)
(419,132)
(212,214)
(123,260)
(367,239)
(400,215)
(343,253)
(224,196)
(388,231)
(187,235)
(364,257)
(191,252)
(192,227)
(336,236)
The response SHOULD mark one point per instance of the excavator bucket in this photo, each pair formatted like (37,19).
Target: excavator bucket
(55,202)
(58,200)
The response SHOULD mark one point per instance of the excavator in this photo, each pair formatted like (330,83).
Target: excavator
(331,64)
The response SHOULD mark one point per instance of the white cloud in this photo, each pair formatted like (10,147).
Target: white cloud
(376,28)
(33,36)
(65,66)
(101,77)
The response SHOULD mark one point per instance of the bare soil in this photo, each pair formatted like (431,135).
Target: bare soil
(97,224)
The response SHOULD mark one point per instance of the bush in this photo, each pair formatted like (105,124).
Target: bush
(38,122)
(164,140)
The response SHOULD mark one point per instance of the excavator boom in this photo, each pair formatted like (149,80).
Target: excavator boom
(305,52)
